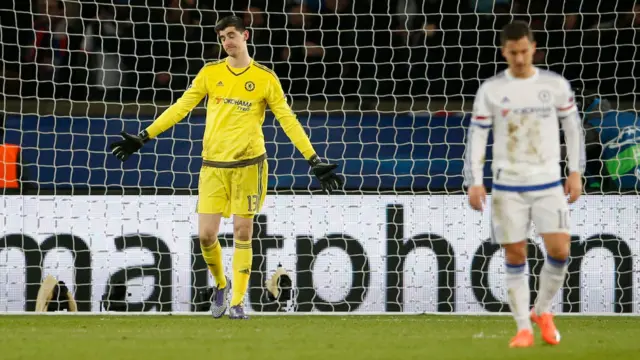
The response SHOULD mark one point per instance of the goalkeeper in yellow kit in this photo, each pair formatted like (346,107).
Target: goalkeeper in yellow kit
(233,178)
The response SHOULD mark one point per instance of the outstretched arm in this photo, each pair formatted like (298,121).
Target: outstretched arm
(175,113)
(329,181)
(287,119)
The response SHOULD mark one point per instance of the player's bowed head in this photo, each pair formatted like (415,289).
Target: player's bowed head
(518,48)
(233,36)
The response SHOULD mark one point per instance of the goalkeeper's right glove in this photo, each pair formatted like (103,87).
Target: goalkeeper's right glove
(132,143)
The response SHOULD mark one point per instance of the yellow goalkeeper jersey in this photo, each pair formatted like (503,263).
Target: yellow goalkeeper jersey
(236,103)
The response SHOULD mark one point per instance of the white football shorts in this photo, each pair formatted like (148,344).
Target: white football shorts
(512,214)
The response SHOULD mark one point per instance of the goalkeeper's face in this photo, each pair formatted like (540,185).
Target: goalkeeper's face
(234,41)
(519,55)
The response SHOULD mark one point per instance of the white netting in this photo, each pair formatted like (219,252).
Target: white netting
(382,87)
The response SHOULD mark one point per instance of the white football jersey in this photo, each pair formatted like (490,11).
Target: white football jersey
(524,115)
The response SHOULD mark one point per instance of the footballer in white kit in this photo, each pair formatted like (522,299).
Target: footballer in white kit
(525,107)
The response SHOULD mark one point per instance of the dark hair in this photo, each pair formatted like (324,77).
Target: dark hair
(230,21)
(516,30)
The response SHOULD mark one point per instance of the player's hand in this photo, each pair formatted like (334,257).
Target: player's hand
(573,187)
(329,180)
(477,197)
(130,144)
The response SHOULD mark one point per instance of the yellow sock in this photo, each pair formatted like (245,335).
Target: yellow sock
(212,255)
(242,259)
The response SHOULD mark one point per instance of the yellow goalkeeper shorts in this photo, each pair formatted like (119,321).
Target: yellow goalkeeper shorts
(235,189)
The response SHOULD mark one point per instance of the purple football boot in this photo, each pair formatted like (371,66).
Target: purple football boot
(221,300)
(237,312)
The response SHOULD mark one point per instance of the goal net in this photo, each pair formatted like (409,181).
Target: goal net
(382,88)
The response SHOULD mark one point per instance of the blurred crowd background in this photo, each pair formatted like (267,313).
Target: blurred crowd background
(119,61)
(147,50)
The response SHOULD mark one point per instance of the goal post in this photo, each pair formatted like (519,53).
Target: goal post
(383,91)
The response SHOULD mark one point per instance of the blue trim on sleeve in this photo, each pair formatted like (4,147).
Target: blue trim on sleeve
(525,188)
(484,126)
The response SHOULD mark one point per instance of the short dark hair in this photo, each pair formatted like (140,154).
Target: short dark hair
(230,21)
(516,30)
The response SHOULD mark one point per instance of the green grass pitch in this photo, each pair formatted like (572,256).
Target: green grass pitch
(307,338)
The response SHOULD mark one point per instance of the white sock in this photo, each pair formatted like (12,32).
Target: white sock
(551,279)
(518,289)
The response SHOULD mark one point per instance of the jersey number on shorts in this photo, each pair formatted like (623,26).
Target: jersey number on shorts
(253,202)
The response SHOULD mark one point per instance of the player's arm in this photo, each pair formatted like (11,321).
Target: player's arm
(174,114)
(477,138)
(574,140)
(329,180)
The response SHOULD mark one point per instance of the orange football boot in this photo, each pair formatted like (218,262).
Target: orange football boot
(550,333)
(524,338)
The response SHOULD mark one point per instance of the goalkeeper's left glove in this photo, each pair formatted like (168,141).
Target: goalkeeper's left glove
(329,180)
(132,143)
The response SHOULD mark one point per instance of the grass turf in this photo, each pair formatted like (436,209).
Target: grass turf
(307,338)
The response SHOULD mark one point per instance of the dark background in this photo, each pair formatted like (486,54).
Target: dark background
(381,86)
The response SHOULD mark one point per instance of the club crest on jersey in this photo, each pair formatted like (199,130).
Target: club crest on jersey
(544,96)
(249,86)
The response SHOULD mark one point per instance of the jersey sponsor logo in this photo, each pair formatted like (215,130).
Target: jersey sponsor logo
(542,111)
(242,105)
(249,86)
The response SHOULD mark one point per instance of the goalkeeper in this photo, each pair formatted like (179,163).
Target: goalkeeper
(233,178)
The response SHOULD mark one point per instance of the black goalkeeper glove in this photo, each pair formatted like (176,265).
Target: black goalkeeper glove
(329,181)
(132,143)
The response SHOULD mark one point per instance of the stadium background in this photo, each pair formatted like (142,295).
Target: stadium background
(383,88)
